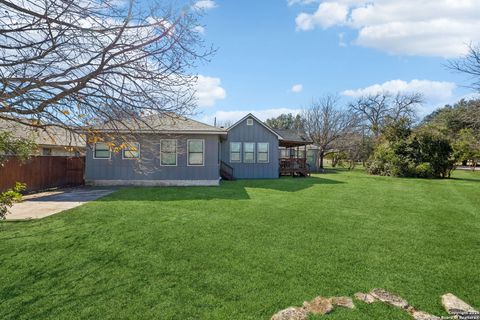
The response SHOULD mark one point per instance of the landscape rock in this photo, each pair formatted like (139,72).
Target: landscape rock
(420,315)
(389,298)
(365,297)
(456,306)
(292,313)
(319,305)
(345,302)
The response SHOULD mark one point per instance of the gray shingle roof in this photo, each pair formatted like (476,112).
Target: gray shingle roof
(50,136)
(161,123)
(292,135)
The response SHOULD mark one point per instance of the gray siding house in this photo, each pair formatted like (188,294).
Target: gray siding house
(251,149)
(159,151)
(173,150)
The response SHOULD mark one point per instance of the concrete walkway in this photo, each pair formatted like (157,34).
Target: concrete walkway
(44,204)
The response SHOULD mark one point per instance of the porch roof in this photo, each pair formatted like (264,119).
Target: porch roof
(292,138)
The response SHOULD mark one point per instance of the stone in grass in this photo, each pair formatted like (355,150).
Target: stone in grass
(456,306)
(420,315)
(345,302)
(365,297)
(389,298)
(319,305)
(292,313)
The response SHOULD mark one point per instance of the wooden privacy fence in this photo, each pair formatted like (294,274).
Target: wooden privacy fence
(42,172)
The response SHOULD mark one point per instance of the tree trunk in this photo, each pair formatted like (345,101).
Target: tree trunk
(322,155)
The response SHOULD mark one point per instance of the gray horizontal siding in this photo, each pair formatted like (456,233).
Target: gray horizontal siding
(148,166)
(255,133)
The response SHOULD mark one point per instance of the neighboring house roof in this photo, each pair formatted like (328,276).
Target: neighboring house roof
(167,123)
(50,136)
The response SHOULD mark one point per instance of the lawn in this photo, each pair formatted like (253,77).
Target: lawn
(247,249)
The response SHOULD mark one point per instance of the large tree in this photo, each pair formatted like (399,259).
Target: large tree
(379,109)
(286,121)
(469,65)
(325,124)
(70,63)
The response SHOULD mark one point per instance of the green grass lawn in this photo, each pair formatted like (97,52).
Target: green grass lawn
(247,249)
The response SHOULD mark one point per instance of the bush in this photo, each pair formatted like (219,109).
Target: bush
(9,197)
(403,153)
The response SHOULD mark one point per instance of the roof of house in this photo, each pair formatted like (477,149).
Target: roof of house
(168,123)
(49,136)
(256,119)
(292,135)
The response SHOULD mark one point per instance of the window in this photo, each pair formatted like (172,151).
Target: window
(249,122)
(168,152)
(46,151)
(248,152)
(235,152)
(262,152)
(131,150)
(310,157)
(195,152)
(101,150)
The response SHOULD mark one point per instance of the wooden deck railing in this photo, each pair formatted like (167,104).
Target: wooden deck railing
(294,167)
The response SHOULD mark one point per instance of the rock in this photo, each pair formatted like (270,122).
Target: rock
(292,313)
(420,315)
(319,305)
(365,297)
(389,298)
(345,302)
(456,306)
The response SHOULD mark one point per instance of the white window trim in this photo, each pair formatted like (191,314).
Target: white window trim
(188,154)
(230,152)
(254,152)
(95,149)
(176,153)
(268,152)
(133,158)
(249,122)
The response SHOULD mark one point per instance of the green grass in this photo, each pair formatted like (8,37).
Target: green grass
(247,249)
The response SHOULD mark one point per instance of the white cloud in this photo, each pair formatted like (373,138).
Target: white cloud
(235,115)
(204,4)
(301,2)
(435,93)
(208,91)
(408,27)
(327,15)
(296,88)
(199,29)
(432,90)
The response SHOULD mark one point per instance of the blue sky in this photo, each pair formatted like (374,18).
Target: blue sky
(276,56)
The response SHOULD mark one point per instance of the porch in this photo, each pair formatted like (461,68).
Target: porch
(293,154)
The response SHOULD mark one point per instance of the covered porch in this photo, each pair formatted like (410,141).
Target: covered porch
(293,154)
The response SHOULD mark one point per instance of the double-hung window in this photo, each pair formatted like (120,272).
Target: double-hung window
(196,152)
(131,150)
(235,152)
(168,152)
(101,150)
(249,152)
(262,152)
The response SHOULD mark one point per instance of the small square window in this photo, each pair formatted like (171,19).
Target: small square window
(101,151)
(131,150)
(249,122)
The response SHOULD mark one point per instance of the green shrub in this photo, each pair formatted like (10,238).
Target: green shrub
(9,197)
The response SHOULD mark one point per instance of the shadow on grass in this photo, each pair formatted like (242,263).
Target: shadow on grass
(228,190)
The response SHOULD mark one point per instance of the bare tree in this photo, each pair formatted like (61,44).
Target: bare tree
(325,123)
(378,109)
(70,63)
(469,65)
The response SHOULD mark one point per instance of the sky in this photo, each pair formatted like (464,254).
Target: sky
(276,56)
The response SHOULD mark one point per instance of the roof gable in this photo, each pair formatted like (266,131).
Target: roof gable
(258,121)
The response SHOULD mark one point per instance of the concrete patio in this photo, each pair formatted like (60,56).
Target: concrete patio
(44,204)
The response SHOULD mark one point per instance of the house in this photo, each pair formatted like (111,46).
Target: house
(252,150)
(157,151)
(163,150)
(51,141)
